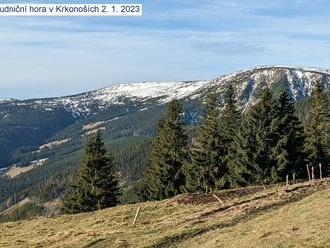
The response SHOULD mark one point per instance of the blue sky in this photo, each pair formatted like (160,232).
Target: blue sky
(173,40)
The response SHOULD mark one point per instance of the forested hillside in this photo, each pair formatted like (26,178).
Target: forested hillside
(54,129)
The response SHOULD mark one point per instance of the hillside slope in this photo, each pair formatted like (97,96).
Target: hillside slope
(25,125)
(295,216)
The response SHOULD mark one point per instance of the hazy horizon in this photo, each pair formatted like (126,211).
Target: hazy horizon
(159,81)
(173,40)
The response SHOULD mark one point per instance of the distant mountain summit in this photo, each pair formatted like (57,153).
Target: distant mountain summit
(119,94)
(298,81)
(249,83)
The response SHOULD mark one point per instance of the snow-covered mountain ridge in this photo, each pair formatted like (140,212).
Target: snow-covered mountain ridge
(119,94)
(299,80)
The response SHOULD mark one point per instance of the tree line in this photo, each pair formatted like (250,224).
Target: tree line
(228,149)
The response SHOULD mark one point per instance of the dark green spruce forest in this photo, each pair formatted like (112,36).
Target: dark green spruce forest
(230,149)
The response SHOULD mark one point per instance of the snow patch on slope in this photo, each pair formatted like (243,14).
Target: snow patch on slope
(5,100)
(144,91)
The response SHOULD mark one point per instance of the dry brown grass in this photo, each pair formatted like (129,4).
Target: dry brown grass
(298,216)
(53,144)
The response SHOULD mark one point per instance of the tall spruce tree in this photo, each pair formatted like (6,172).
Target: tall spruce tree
(318,128)
(204,169)
(164,176)
(288,151)
(249,158)
(230,120)
(95,185)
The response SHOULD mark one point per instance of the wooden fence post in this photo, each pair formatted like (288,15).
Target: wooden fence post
(294,178)
(136,215)
(313,177)
(309,174)
(287,180)
(320,165)
(216,197)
